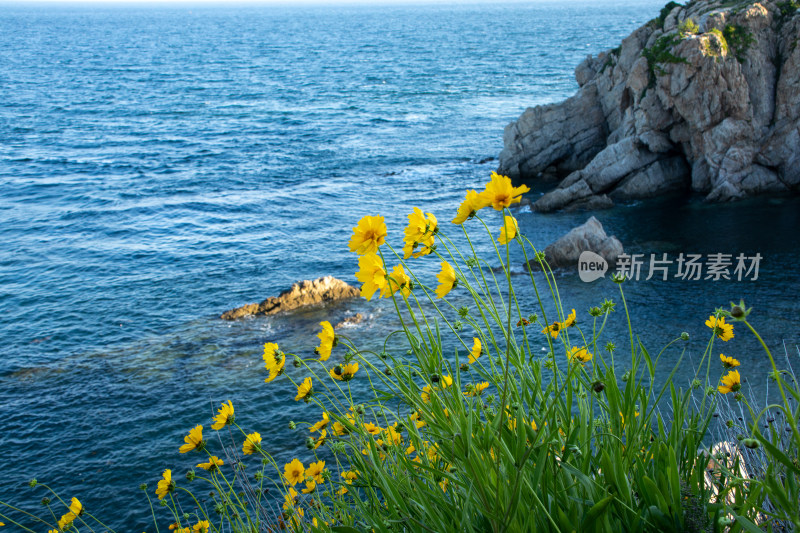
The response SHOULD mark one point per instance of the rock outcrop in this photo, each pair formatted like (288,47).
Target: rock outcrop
(705,97)
(588,237)
(299,294)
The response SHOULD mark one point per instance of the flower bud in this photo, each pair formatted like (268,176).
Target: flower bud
(143,486)
(598,386)
(464,367)
(751,443)
(684,336)
(32,483)
(434,378)
(297,363)
(190,476)
(595,311)
(387,371)
(292,425)
(45,501)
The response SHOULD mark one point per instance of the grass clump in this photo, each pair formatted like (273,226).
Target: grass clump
(661,53)
(461,423)
(788,9)
(688,27)
(738,40)
(716,46)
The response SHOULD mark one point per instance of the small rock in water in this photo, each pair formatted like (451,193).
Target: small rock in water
(300,294)
(351,320)
(589,237)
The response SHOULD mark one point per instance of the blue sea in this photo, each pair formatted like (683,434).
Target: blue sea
(160,165)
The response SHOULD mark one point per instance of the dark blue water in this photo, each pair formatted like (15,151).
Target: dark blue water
(161,165)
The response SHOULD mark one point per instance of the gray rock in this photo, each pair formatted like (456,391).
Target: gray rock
(731,114)
(660,177)
(592,203)
(589,236)
(561,197)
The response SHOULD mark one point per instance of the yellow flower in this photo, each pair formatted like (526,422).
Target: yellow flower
(469,207)
(552,329)
(322,424)
(274,363)
(371,275)
(290,498)
(397,280)
(315,470)
(76,507)
(447,280)
(368,235)
(65,521)
(476,350)
(294,472)
(477,389)
(342,491)
(426,394)
(224,416)
(194,440)
(311,486)
(569,321)
(731,383)
(372,429)
(500,194)
(165,484)
(446,381)
(350,475)
(721,329)
(305,390)
(340,429)
(393,436)
(327,340)
(201,527)
(420,230)
(271,350)
(344,372)
(323,435)
(251,443)
(410,449)
(728,362)
(581,355)
(509,230)
(212,465)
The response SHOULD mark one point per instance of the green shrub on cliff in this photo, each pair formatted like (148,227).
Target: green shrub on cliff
(738,39)
(658,22)
(661,53)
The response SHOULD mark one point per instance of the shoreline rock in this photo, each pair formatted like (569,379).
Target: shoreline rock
(704,98)
(300,294)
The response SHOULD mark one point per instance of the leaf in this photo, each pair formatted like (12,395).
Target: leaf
(595,512)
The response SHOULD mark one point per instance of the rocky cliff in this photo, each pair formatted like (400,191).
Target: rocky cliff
(706,96)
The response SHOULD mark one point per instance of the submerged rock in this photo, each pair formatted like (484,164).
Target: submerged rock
(590,237)
(704,98)
(299,294)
